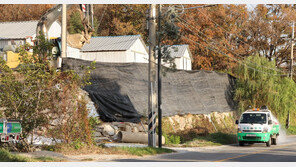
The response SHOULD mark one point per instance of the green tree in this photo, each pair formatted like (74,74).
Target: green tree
(44,99)
(262,84)
(75,23)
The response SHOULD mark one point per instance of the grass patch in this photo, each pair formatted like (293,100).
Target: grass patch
(85,149)
(200,143)
(213,139)
(70,149)
(48,159)
(87,159)
(141,151)
(291,130)
(6,156)
(191,139)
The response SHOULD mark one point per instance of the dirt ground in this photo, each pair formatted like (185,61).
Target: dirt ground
(77,158)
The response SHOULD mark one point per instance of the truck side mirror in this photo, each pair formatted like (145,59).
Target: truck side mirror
(269,122)
(236,121)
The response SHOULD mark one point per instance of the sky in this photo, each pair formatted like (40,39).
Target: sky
(147,1)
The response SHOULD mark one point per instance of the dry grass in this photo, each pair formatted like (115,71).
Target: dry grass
(85,149)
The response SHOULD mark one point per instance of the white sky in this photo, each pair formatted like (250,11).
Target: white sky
(148,1)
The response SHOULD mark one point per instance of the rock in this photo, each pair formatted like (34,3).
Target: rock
(135,129)
(114,127)
(108,130)
(97,134)
(128,128)
(141,128)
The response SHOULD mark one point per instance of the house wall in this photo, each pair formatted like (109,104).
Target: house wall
(73,52)
(111,57)
(17,42)
(186,61)
(3,43)
(137,53)
(55,30)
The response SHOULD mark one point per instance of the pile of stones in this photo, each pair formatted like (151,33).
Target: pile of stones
(108,131)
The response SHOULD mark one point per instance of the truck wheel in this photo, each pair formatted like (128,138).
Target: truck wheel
(269,142)
(274,141)
(241,143)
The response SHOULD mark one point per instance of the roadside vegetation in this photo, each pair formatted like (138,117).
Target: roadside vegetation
(101,149)
(6,156)
(202,132)
(200,140)
(260,83)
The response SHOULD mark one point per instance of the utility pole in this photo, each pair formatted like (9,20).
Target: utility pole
(152,77)
(64,31)
(87,13)
(159,80)
(292,47)
(92,15)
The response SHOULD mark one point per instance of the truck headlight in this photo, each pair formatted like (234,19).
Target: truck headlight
(239,130)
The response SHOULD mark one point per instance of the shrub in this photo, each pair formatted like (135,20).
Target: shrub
(260,83)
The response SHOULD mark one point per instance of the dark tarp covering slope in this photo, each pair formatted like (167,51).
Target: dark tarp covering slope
(183,92)
(114,108)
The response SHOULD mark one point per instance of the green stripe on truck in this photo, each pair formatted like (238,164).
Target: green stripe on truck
(1,127)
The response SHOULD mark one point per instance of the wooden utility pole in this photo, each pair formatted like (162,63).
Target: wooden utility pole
(152,105)
(292,47)
(92,15)
(159,80)
(64,31)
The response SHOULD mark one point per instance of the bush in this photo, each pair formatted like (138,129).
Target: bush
(172,139)
(6,156)
(260,83)
(43,98)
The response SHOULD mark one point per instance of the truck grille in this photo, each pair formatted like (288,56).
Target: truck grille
(251,137)
(251,130)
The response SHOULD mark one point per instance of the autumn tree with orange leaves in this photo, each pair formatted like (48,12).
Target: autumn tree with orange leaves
(219,36)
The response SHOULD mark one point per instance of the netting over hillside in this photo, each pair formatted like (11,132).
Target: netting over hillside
(195,92)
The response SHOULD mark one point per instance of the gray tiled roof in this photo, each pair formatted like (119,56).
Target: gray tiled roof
(17,30)
(177,50)
(110,43)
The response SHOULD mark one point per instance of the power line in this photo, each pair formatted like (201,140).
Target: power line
(220,52)
(196,7)
(214,41)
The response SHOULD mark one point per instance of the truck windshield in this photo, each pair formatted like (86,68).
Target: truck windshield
(253,118)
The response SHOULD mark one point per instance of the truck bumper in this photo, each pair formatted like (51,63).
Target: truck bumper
(253,137)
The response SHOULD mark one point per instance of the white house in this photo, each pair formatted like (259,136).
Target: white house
(115,49)
(17,33)
(182,56)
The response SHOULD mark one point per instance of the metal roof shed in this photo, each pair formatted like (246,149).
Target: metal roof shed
(115,49)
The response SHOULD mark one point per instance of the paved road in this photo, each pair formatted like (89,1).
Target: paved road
(285,151)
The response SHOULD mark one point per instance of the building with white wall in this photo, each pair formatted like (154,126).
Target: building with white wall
(115,49)
(21,32)
(182,56)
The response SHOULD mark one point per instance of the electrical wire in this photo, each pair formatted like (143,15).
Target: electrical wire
(180,19)
(220,52)
(240,62)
